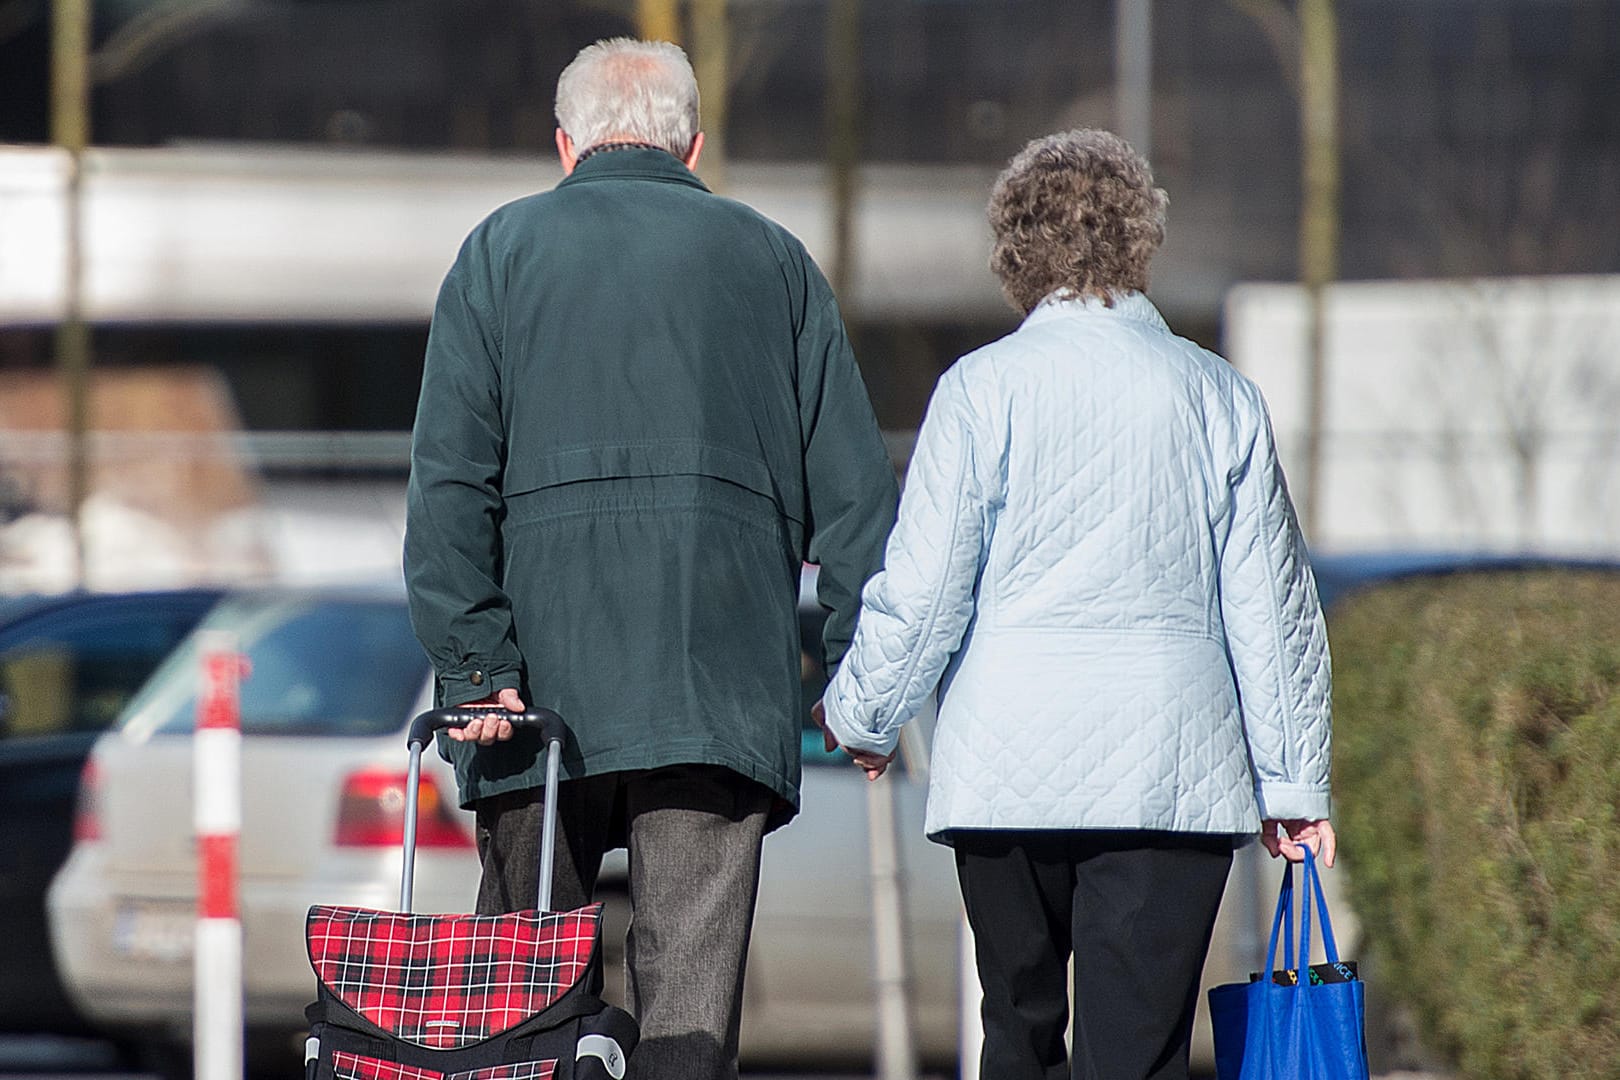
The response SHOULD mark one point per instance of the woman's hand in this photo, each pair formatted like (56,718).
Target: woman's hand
(1296,835)
(873,764)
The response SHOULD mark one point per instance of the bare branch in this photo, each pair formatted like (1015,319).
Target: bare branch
(140,40)
(1281,28)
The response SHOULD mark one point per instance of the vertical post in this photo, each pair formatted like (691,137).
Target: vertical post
(896,1059)
(970,1033)
(711,46)
(217,762)
(658,20)
(1133,73)
(70,130)
(1248,917)
(1318,225)
(843,136)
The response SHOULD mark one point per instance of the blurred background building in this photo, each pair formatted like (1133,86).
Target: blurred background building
(278,184)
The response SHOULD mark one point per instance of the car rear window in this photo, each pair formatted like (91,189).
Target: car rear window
(318,666)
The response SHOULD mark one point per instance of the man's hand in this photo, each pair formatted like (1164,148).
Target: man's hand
(490,727)
(818,717)
(1297,835)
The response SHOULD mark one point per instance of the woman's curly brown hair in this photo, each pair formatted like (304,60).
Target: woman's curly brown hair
(1075,212)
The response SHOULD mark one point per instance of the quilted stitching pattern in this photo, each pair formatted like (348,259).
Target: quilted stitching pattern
(448,981)
(1098,565)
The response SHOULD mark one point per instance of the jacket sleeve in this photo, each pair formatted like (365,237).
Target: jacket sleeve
(916,609)
(850,489)
(453,500)
(1276,636)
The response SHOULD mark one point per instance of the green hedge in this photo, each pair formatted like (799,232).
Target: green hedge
(1477,781)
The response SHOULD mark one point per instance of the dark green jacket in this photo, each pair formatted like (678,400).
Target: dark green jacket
(639,416)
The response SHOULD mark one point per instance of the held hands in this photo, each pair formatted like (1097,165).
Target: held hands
(490,727)
(874,765)
(1296,835)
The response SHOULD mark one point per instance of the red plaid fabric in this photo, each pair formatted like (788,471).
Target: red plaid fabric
(346,1066)
(448,981)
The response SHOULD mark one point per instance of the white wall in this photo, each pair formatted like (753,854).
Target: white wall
(1459,414)
(305,235)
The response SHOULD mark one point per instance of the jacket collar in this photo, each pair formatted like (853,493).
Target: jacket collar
(632,163)
(1132,306)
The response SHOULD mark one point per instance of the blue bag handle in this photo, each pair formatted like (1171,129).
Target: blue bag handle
(1285,914)
(1313,885)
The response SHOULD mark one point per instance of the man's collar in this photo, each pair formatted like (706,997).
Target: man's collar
(633,163)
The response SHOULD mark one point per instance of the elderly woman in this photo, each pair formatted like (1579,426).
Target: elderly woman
(1097,566)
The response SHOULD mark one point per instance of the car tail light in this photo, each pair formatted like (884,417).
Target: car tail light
(87,811)
(371,813)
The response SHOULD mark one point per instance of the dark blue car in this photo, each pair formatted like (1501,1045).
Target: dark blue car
(67,666)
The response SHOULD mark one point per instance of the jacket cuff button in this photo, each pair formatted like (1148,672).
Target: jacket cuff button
(476,678)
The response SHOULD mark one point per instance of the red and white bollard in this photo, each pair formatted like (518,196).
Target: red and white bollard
(217,767)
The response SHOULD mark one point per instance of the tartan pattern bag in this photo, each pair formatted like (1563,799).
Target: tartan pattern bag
(461,997)
(359,1067)
(1280,1026)
(446,982)
(464,997)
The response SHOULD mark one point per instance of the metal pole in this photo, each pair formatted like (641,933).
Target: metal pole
(413,786)
(70,130)
(1133,73)
(711,44)
(896,1057)
(548,823)
(1249,937)
(970,998)
(844,138)
(1318,224)
(658,20)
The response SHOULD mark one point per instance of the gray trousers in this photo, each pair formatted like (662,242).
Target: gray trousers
(694,835)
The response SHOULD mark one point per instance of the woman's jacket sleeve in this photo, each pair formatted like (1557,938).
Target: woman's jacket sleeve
(1276,636)
(915,610)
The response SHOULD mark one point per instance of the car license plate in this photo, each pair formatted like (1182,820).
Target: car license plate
(154,931)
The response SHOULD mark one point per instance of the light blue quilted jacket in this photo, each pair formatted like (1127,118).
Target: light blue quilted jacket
(1098,566)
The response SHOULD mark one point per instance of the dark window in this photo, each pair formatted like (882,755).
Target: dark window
(73,669)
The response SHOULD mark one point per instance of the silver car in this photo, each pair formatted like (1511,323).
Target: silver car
(335,678)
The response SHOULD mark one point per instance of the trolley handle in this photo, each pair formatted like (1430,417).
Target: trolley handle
(553,732)
(423,727)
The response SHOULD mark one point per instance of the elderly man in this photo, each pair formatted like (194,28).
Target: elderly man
(639,415)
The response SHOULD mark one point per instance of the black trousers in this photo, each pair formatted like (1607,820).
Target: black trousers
(1135,909)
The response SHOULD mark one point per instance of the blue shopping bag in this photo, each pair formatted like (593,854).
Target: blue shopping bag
(1304,1023)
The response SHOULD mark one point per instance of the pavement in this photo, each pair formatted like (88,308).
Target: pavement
(46,1057)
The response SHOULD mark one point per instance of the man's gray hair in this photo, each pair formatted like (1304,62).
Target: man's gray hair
(623,89)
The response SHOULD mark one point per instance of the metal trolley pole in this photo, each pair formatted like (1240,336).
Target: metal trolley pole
(70,130)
